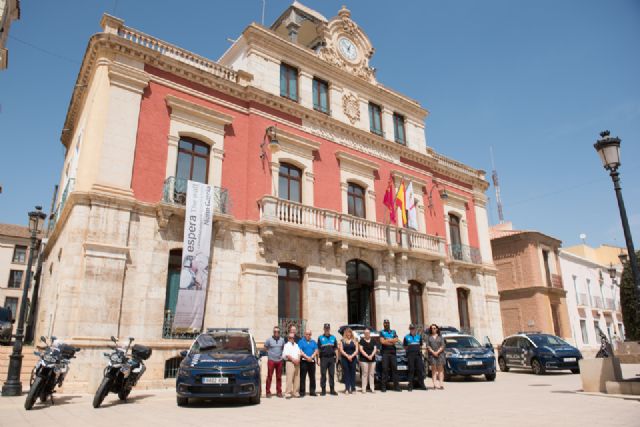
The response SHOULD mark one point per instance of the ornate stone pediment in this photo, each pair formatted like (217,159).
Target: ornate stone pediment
(347,47)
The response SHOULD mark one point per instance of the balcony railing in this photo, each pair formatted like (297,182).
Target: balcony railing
(597,302)
(311,220)
(175,192)
(68,188)
(167,330)
(556,281)
(284,323)
(609,304)
(583,299)
(465,253)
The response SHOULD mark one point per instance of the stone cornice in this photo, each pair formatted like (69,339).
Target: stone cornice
(197,115)
(349,160)
(128,78)
(455,199)
(297,143)
(409,178)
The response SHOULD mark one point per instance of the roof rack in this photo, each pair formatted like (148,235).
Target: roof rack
(228,330)
(529,332)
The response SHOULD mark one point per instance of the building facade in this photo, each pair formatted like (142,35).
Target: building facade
(593,300)
(300,234)
(532,297)
(15,241)
(9,12)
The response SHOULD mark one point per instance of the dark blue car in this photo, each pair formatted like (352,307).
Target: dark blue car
(466,357)
(538,352)
(221,363)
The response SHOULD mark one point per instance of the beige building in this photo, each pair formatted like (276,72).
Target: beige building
(603,254)
(301,234)
(15,241)
(532,297)
(9,12)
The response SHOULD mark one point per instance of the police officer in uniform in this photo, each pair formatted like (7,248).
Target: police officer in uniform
(328,348)
(388,340)
(413,346)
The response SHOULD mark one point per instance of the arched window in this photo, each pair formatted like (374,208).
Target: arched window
(463,309)
(360,296)
(454,237)
(173,286)
(415,302)
(289,292)
(290,183)
(355,200)
(193,160)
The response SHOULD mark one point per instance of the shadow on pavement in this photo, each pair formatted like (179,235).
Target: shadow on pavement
(131,399)
(57,401)
(226,403)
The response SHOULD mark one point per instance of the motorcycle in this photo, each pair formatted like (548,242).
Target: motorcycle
(123,371)
(49,371)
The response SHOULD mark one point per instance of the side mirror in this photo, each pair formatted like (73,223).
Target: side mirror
(114,339)
(184,353)
(131,338)
(489,346)
(53,338)
(13,321)
(43,339)
(262,353)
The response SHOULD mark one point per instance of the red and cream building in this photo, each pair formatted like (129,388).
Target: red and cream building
(300,229)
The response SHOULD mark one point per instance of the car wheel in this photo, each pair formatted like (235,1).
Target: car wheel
(255,400)
(182,401)
(503,364)
(575,371)
(536,367)
(490,377)
(339,372)
(447,377)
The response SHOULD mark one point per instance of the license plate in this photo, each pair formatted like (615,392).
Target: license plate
(402,368)
(474,363)
(569,359)
(215,380)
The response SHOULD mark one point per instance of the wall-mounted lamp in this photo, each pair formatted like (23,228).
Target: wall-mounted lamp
(443,194)
(270,138)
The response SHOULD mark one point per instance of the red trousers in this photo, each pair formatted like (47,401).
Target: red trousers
(277,366)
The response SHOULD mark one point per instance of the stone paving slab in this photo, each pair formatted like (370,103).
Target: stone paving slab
(514,399)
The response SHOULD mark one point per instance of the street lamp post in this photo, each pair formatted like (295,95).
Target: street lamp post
(13,386)
(608,149)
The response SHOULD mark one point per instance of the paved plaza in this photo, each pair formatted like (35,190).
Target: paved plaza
(514,399)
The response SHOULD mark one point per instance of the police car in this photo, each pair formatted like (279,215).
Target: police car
(538,352)
(221,363)
(466,357)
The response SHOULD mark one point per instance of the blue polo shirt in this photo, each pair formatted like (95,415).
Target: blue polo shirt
(307,347)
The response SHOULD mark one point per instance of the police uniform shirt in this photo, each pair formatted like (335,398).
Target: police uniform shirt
(327,345)
(413,343)
(390,334)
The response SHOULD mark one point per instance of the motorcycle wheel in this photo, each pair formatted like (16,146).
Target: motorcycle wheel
(102,392)
(33,394)
(123,394)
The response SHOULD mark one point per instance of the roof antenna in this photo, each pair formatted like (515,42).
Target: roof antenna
(264,4)
(496,185)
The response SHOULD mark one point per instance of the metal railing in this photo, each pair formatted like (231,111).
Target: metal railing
(609,304)
(465,253)
(582,299)
(167,329)
(597,302)
(68,188)
(175,192)
(556,281)
(312,219)
(284,323)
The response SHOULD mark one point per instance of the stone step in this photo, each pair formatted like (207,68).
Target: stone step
(29,360)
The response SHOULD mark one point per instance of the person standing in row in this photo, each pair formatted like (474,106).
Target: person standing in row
(293,329)
(435,350)
(349,352)
(328,348)
(291,353)
(388,340)
(274,346)
(413,346)
(309,355)
(368,352)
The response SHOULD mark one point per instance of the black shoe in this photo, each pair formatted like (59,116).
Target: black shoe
(397,388)
(410,388)
(333,393)
(383,389)
(313,394)
(323,393)
(301,396)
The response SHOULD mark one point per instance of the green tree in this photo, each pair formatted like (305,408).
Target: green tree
(630,315)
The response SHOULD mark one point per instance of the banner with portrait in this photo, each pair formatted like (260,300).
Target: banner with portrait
(196,248)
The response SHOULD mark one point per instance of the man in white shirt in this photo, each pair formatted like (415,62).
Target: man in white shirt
(291,354)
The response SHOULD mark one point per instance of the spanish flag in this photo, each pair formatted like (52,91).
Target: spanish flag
(401,202)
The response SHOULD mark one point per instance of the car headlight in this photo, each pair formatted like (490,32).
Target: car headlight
(249,373)
(49,358)
(115,357)
(452,355)
(182,372)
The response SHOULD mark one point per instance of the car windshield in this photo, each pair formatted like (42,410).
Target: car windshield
(547,340)
(462,342)
(222,343)
(5,315)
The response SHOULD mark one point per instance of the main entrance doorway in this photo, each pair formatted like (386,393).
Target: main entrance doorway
(360,297)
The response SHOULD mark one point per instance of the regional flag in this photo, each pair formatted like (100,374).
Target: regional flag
(389,202)
(401,202)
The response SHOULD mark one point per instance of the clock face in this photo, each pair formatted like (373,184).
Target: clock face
(347,49)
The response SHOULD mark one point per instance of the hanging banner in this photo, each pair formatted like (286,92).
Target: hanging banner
(196,248)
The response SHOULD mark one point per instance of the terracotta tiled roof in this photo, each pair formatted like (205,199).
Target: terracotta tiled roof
(494,234)
(14,230)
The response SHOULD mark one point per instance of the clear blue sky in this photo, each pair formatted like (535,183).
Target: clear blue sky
(536,80)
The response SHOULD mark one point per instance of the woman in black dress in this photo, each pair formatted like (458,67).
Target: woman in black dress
(435,349)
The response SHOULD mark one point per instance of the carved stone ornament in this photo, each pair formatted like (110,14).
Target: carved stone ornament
(351,107)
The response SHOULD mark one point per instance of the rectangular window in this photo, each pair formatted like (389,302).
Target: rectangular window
(398,128)
(289,82)
(15,279)
(375,118)
(320,95)
(19,254)
(12,304)
(583,329)
(596,327)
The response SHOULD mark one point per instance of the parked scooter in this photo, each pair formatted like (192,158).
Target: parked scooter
(123,371)
(50,370)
